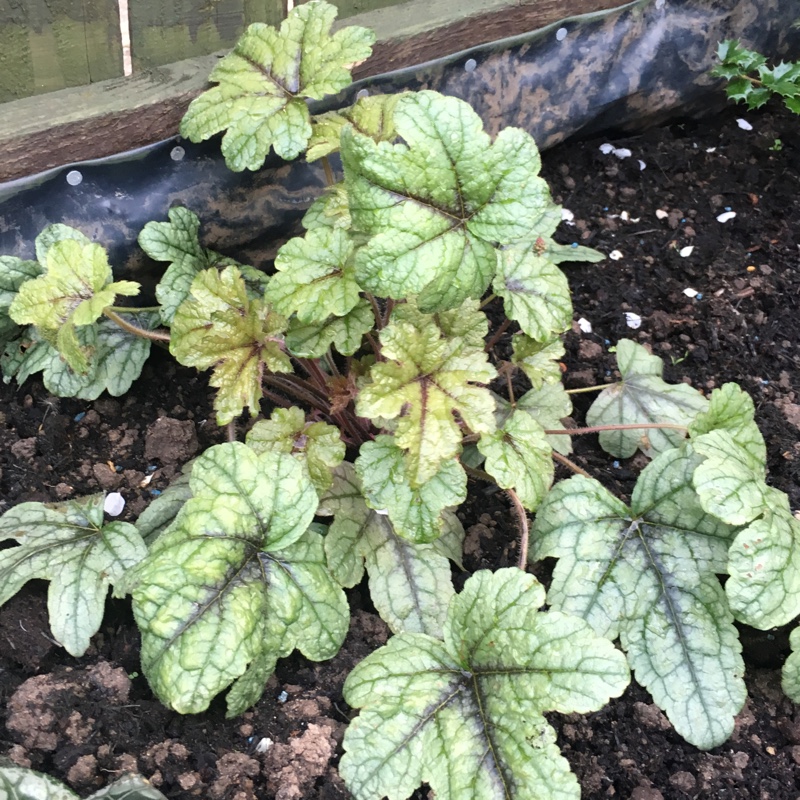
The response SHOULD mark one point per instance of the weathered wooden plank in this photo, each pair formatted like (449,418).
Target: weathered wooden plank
(77,124)
(47,45)
(349,8)
(165,31)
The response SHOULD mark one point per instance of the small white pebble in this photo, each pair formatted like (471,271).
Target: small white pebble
(622,152)
(689,292)
(585,325)
(633,320)
(561,34)
(362,93)
(177,153)
(615,255)
(113,504)
(382,511)
(283,697)
(606,148)
(642,165)
(74,178)
(661,214)
(711,149)
(686,251)
(264,745)
(567,215)
(470,65)
(744,124)
(726,217)
(625,216)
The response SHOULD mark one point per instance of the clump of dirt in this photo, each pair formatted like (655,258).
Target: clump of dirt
(724,310)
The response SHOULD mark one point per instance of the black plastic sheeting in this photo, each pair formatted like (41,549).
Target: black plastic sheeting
(620,70)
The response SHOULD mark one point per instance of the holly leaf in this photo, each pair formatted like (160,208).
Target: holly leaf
(436,205)
(116,359)
(265,81)
(415,512)
(518,456)
(410,583)
(642,396)
(466,714)
(237,581)
(178,243)
(68,545)
(73,291)
(371,116)
(538,360)
(315,277)
(345,333)
(647,574)
(221,327)
(426,380)
(535,292)
(764,566)
(317,446)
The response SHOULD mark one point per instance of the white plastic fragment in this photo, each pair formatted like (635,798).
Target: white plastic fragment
(606,148)
(74,178)
(585,325)
(642,165)
(711,149)
(689,292)
(113,504)
(633,320)
(686,251)
(177,153)
(661,214)
(146,480)
(726,216)
(362,93)
(622,152)
(744,124)
(382,511)
(561,34)
(567,215)
(283,697)
(264,745)
(615,255)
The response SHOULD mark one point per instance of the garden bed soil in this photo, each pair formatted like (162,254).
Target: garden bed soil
(87,720)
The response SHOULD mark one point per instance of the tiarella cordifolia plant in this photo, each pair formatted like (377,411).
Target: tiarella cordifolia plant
(372,347)
(752,81)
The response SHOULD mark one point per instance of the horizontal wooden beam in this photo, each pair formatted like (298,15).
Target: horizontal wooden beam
(113,116)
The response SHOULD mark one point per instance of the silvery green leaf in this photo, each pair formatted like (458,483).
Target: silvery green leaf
(345,333)
(538,360)
(790,675)
(162,510)
(410,584)
(415,512)
(466,715)
(643,396)
(647,574)
(548,405)
(764,565)
(436,205)
(13,273)
(68,545)
(20,783)
(237,581)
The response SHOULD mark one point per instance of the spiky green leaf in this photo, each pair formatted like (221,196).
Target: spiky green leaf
(642,396)
(648,575)
(237,580)
(68,545)
(409,583)
(466,715)
(436,205)
(264,83)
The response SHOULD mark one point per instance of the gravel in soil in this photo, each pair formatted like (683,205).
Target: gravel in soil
(717,300)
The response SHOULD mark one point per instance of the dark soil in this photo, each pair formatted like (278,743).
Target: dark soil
(86,720)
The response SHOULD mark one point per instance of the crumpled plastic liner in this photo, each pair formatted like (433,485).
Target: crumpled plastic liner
(621,70)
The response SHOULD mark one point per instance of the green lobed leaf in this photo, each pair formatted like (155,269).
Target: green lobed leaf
(315,277)
(790,674)
(466,715)
(221,327)
(68,545)
(56,233)
(329,209)
(345,333)
(117,359)
(436,205)
(13,273)
(265,80)
(535,292)
(648,575)
(162,510)
(237,581)
(317,446)
(548,405)
(519,457)
(73,291)
(410,583)
(427,379)
(538,360)
(415,512)
(371,116)
(178,243)
(642,396)
(764,566)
